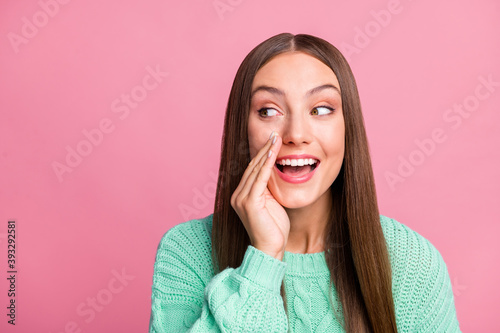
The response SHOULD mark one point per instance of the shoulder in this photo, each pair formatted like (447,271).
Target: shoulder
(188,242)
(184,259)
(193,232)
(420,276)
(408,247)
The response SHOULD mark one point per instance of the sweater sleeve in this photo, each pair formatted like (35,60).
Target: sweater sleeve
(422,289)
(187,297)
(437,306)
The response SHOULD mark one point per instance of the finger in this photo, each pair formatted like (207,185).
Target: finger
(262,177)
(255,162)
(251,172)
(267,162)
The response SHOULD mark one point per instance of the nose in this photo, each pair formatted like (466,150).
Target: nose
(296,130)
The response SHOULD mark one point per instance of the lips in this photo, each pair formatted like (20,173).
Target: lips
(309,160)
(292,175)
(297,157)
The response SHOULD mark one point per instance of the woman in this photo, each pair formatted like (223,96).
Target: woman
(296,242)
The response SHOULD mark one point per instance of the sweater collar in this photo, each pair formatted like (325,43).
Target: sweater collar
(305,263)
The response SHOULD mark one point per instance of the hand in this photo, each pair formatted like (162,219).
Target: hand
(265,220)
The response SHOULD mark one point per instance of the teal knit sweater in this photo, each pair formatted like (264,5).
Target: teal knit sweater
(188,297)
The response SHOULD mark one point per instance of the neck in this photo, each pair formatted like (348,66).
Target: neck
(308,226)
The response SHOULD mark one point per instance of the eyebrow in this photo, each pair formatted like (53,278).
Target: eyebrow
(276,91)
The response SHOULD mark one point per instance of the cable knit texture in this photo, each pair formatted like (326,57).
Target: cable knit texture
(188,297)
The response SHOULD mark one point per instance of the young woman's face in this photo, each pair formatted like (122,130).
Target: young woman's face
(298,96)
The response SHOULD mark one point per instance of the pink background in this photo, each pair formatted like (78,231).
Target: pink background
(66,72)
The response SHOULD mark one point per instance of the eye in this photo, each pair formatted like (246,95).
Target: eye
(266,112)
(324,109)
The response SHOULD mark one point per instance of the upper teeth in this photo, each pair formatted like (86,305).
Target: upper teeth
(297,162)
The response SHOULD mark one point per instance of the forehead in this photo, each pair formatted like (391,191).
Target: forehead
(294,71)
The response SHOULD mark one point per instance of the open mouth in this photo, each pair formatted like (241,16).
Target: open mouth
(297,168)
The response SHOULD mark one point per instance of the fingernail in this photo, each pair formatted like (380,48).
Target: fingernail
(272,133)
(274,139)
(269,154)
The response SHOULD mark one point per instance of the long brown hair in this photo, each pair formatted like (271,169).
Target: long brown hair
(355,249)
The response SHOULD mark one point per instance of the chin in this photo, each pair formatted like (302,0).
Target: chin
(293,202)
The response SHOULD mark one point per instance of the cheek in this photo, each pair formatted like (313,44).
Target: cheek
(257,137)
(336,140)
(253,150)
(254,145)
